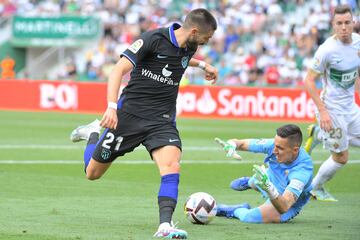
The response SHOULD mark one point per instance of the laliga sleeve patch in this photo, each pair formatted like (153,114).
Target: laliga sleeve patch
(261,141)
(136,46)
(297,185)
(316,62)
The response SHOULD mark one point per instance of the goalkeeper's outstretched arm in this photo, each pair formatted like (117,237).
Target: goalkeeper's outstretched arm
(232,145)
(241,144)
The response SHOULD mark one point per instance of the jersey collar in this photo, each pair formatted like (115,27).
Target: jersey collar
(173,40)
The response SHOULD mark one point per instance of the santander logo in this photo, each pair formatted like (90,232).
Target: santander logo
(188,101)
(236,102)
(206,104)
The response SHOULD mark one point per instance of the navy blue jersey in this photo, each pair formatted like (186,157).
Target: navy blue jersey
(159,64)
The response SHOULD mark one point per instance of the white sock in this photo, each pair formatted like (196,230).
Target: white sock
(164,225)
(355,142)
(326,171)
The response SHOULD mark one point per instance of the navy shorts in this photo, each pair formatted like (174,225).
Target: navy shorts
(132,131)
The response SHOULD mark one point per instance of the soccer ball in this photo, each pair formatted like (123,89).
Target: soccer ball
(200,208)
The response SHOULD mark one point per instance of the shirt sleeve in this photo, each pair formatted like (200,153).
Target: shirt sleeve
(261,145)
(319,61)
(141,48)
(298,179)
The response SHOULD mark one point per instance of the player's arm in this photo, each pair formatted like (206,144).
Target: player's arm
(211,73)
(310,79)
(357,84)
(236,144)
(232,145)
(283,202)
(241,144)
(109,119)
(251,145)
(325,121)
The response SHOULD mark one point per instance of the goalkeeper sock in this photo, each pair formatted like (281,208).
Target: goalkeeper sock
(167,197)
(326,171)
(249,215)
(90,147)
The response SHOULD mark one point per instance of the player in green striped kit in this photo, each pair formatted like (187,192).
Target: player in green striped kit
(338,61)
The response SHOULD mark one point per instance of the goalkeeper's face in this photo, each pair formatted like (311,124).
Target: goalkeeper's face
(284,151)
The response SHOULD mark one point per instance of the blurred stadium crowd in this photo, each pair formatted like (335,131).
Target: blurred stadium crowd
(258,42)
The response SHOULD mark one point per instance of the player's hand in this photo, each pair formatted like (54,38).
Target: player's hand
(325,120)
(229,147)
(261,177)
(262,181)
(109,119)
(211,73)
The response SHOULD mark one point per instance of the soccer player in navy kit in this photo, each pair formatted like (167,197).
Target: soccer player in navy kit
(145,113)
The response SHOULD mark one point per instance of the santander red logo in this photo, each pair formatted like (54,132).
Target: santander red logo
(234,102)
(206,104)
(188,101)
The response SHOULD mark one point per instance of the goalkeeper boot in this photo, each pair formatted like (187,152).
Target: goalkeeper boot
(167,230)
(312,139)
(322,195)
(240,184)
(83,132)
(228,210)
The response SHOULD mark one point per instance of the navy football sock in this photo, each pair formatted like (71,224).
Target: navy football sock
(93,138)
(90,147)
(167,197)
(166,208)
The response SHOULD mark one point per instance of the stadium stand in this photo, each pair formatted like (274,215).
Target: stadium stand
(258,43)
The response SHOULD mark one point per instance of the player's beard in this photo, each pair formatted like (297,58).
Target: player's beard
(192,44)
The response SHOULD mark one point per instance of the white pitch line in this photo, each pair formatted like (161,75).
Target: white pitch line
(65,147)
(134,162)
(80,146)
(40,146)
(60,147)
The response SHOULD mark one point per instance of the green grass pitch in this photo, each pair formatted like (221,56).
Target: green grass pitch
(45,195)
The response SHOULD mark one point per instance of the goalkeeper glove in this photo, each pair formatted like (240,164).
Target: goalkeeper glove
(229,147)
(262,181)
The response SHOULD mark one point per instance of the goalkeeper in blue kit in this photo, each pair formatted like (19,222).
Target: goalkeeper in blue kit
(285,182)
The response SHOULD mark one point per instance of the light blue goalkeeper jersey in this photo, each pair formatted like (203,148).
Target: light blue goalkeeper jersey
(300,170)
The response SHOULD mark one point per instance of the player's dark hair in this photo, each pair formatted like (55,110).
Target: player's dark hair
(342,9)
(357,27)
(292,133)
(201,18)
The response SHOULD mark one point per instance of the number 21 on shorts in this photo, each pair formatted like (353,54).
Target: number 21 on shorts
(109,139)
